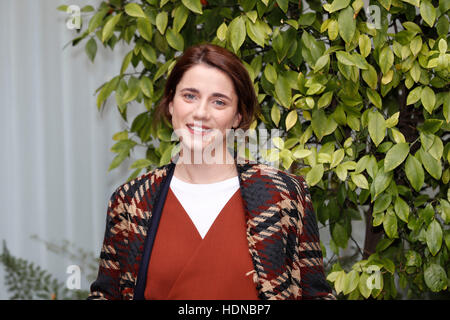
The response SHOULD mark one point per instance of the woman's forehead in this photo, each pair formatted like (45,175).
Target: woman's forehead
(206,79)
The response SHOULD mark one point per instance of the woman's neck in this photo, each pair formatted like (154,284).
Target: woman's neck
(205,172)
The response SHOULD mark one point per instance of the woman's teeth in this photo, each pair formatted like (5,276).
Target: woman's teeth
(199,129)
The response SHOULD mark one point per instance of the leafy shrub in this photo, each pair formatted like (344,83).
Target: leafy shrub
(361,96)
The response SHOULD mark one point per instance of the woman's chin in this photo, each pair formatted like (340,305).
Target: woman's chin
(206,152)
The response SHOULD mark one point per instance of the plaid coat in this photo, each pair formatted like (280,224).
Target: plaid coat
(282,234)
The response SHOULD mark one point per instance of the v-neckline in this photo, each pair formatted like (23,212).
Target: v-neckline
(215,222)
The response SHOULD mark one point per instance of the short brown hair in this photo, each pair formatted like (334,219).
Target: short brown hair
(221,59)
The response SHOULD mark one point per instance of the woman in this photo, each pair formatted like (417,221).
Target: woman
(202,228)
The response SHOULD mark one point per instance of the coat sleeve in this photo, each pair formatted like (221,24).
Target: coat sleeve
(313,280)
(107,284)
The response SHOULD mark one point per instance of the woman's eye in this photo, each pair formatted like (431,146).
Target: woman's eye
(189,96)
(220,102)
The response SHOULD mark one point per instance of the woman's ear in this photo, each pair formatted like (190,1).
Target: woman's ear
(171,108)
(237,120)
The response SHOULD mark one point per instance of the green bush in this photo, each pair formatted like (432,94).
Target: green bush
(362,100)
(25,280)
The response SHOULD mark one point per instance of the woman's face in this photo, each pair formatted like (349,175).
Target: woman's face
(205,104)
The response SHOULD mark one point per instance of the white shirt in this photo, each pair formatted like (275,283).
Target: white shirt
(204,202)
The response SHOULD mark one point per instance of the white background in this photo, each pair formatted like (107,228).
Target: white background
(54,153)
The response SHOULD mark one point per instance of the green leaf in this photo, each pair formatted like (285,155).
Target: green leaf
(446,107)
(337,5)
(390,224)
(302,153)
(435,277)
(414,172)
(414,95)
(382,203)
(337,157)
(96,20)
(365,46)
(377,218)
(413,2)
(278,142)
(141,163)
(359,180)
(161,70)
(275,114)
(345,58)
(351,281)
(333,29)
(428,99)
(252,15)
(381,182)
(340,235)
(384,244)
(401,209)
(347,24)
(314,175)
(428,12)
(434,237)
(161,21)
(362,285)
(432,166)
(222,32)
(237,33)
(395,156)
(321,124)
(126,62)
(175,40)
(146,86)
(134,10)
(447,239)
(270,73)
(340,282)
(256,31)
(370,77)
(377,127)
(145,28)
(325,100)
(63,7)
(322,62)
(416,45)
(108,29)
(392,120)
(87,8)
(374,97)
(193,5)
(283,91)
(291,119)
(106,91)
(283,4)
(91,49)
(437,148)
(386,59)
(118,160)
(180,16)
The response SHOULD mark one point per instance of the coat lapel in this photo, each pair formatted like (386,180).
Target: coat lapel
(261,196)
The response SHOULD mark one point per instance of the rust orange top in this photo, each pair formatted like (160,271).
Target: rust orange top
(183,266)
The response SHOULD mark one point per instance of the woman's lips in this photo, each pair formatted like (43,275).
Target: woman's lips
(198,130)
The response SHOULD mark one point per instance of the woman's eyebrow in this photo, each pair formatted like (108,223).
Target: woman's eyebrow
(215,94)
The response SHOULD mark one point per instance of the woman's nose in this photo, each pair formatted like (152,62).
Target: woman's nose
(201,110)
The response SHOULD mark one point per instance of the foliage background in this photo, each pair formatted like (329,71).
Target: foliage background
(361,96)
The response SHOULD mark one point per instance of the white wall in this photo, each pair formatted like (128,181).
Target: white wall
(54,152)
